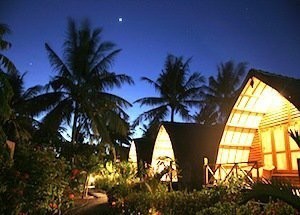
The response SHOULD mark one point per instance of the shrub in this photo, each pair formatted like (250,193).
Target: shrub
(250,208)
(224,208)
(281,190)
(179,202)
(36,183)
(279,207)
(136,203)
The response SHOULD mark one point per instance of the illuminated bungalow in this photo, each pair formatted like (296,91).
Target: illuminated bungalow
(132,157)
(141,151)
(266,107)
(187,144)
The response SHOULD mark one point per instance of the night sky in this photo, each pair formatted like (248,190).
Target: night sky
(266,34)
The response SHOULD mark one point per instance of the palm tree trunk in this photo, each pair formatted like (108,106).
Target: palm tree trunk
(74,133)
(74,126)
(172,114)
(114,153)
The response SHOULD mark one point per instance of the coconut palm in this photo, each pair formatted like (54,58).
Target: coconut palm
(6,94)
(80,88)
(207,114)
(222,89)
(178,90)
(24,106)
(5,63)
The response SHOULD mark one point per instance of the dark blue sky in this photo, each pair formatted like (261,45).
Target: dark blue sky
(266,34)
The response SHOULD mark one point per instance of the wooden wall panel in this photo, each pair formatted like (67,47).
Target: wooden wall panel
(283,115)
(255,151)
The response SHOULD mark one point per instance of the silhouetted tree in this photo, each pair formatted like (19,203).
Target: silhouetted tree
(178,90)
(5,63)
(222,89)
(82,83)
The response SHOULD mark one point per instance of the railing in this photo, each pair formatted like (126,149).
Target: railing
(215,173)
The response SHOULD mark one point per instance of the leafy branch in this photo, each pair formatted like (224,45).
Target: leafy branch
(295,135)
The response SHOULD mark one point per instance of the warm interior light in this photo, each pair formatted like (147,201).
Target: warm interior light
(132,157)
(163,148)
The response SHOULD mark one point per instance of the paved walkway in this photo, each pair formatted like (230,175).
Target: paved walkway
(90,205)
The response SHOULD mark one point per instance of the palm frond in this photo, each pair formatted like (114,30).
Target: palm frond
(57,64)
(151,101)
(55,117)
(105,62)
(7,64)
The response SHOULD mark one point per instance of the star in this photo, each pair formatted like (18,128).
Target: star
(120,19)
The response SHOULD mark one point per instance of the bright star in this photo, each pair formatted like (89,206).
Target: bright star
(120,19)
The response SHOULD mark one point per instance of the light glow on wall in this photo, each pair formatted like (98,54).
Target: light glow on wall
(163,148)
(256,99)
(132,157)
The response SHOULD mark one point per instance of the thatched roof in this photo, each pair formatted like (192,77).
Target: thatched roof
(191,143)
(144,148)
(257,97)
(288,87)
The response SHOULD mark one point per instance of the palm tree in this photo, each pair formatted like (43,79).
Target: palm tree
(6,94)
(207,114)
(24,106)
(178,90)
(80,88)
(5,63)
(222,89)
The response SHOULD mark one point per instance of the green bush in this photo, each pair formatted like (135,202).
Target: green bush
(136,203)
(223,199)
(224,208)
(175,202)
(36,183)
(279,207)
(250,208)
(179,202)
(116,179)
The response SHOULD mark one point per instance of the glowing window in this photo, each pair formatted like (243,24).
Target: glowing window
(236,138)
(245,155)
(268,160)
(132,153)
(281,161)
(220,153)
(279,139)
(231,155)
(235,118)
(253,121)
(250,104)
(162,148)
(243,102)
(225,155)
(243,119)
(228,137)
(294,156)
(239,156)
(260,87)
(250,137)
(266,141)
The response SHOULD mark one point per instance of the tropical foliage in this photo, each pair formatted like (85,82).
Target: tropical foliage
(178,90)
(295,136)
(80,90)
(220,92)
(32,184)
(221,199)
(5,88)
(5,63)
(25,105)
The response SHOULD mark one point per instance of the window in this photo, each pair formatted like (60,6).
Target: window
(279,149)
